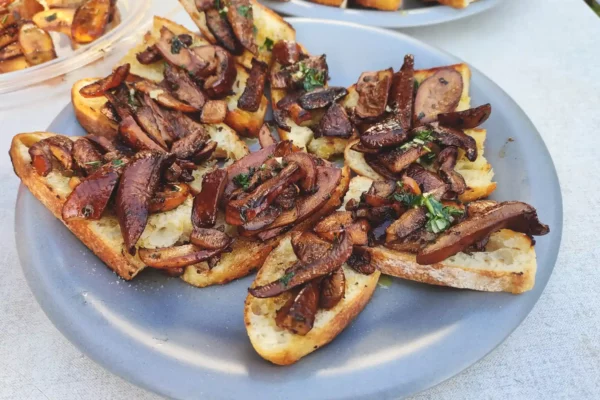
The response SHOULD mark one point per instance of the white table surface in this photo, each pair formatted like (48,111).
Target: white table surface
(546,55)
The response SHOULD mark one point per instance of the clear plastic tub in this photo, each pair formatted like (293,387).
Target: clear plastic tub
(133,15)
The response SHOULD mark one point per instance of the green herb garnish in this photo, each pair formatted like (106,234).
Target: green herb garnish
(51,17)
(117,162)
(94,163)
(268,44)
(287,278)
(131,99)
(421,115)
(427,159)
(244,11)
(4,19)
(416,85)
(312,77)
(254,29)
(439,217)
(176,45)
(243,180)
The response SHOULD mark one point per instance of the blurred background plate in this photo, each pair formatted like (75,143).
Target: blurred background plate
(413,13)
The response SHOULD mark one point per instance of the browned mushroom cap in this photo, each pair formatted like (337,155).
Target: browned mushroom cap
(289,107)
(387,133)
(161,119)
(447,161)
(139,182)
(375,163)
(205,153)
(280,119)
(100,87)
(467,119)
(220,84)
(440,93)
(308,166)
(427,180)
(204,211)
(175,52)
(413,243)
(402,93)
(171,197)
(298,314)
(515,215)
(183,87)
(286,52)
(89,199)
(333,288)
(265,136)
(373,89)
(409,222)
(209,238)
(479,207)
(360,260)
(335,123)
(334,259)
(262,221)
(135,137)
(163,97)
(330,227)
(222,31)
(455,137)
(86,156)
(176,256)
(379,193)
(241,18)
(255,87)
(239,211)
(308,247)
(152,55)
(398,159)
(321,97)
(189,145)
(61,147)
(90,20)
(287,199)
(145,116)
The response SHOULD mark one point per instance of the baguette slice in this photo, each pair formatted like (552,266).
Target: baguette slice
(384,5)
(269,26)
(165,229)
(282,347)
(508,263)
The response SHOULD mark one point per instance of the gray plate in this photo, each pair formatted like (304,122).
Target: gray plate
(184,342)
(413,13)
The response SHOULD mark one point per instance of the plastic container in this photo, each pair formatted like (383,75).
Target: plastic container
(133,15)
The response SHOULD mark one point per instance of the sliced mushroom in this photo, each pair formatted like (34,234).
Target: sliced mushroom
(413,243)
(308,247)
(220,84)
(427,180)
(479,207)
(204,211)
(335,123)
(176,53)
(360,260)
(308,166)
(447,161)
(333,288)
(518,216)
(204,5)
(286,52)
(162,120)
(139,182)
(387,133)
(262,221)
(42,155)
(330,227)
(62,149)
(183,87)
(265,136)
(10,51)
(375,163)
(398,159)
(440,93)
(170,198)
(280,118)
(152,55)
(86,156)
(289,105)
(100,87)
(163,97)
(358,146)
(307,74)
(334,259)
(467,119)
(381,189)
(298,314)
(222,31)
(321,97)
(241,18)
(373,89)
(214,112)
(90,198)
(287,199)
(146,119)
(133,135)
(176,256)
(409,222)
(402,93)
(205,153)
(9,34)
(209,238)
(90,20)
(255,87)
(455,137)
(189,145)
(36,44)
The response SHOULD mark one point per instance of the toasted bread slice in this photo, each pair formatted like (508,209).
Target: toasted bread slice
(165,229)
(269,26)
(478,174)
(332,3)
(456,3)
(282,347)
(243,122)
(384,5)
(508,263)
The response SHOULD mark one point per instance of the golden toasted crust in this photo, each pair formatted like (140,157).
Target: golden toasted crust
(385,5)
(282,347)
(88,111)
(333,3)
(456,3)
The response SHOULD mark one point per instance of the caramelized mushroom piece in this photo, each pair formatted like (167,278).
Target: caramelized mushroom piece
(330,227)
(387,133)
(398,159)
(290,107)
(447,161)
(409,222)
(147,120)
(262,220)
(455,137)
(360,260)
(152,55)
(9,34)
(358,146)
(333,288)
(10,51)
(90,20)
(440,93)
(170,198)
(209,238)
(265,136)
(241,18)
(163,97)
(43,152)
(321,97)
(308,166)
(280,116)
(175,52)
(204,211)
(139,182)
(333,260)
(375,163)
(204,5)
(308,247)
(214,112)
(255,87)
(335,123)
(402,93)
(36,44)
(298,314)
(220,84)
(86,156)
(189,145)
(518,216)
(286,52)
(161,120)
(176,256)
(294,76)
(100,87)
(287,199)
(239,211)
(90,198)
(427,180)
(135,137)
(183,87)
(413,243)
(205,153)
(467,119)
(222,31)
(479,207)
(373,89)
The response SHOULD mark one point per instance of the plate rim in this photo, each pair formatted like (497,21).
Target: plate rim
(127,372)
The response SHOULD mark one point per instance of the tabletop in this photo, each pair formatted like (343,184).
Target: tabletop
(543,53)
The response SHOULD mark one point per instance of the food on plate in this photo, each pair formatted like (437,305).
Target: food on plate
(388,5)
(25,25)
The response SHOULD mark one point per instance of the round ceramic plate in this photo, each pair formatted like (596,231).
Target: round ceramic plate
(413,12)
(184,342)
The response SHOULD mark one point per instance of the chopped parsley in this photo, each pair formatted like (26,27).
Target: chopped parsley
(268,44)
(4,19)
(243,180)
(117,162)
(176,45)
(439,216)
(94,163)
(131,99)
(420,139)
(416,85)
(287,278)
(254,29)
(427,159)
(312,78)
(244,11)
(51,17)
(421,115)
